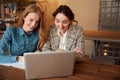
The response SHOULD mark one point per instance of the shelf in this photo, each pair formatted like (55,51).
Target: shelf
(1,32)
(10,10)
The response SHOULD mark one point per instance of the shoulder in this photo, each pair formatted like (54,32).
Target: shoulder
(12,29)
(9,32)
(9,29)
(52,28)
(76,28)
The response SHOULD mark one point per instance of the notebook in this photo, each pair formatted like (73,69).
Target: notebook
(49,64)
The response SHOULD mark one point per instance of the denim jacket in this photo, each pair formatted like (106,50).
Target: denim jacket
(15,42)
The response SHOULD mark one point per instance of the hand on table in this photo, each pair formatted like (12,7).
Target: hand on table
(20,59)
(79,51)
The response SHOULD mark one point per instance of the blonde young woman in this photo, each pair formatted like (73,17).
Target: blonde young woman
(23,37)
(64,35)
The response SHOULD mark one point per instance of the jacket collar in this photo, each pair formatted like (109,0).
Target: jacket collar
(70,37)
(22,32)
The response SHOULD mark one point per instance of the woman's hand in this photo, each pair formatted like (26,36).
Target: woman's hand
(20,58)
(78,51)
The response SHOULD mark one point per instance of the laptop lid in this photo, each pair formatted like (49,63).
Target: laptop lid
(48,64)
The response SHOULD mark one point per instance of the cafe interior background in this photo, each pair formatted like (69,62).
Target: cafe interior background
(90,14)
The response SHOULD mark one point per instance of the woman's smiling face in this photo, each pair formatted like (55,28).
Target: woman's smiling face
(62,23)
(30,22)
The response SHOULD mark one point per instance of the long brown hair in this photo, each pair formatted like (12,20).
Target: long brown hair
(41,28)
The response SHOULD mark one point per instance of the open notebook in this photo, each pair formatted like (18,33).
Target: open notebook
(48,64)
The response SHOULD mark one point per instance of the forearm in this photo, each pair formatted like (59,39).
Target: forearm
(7,59)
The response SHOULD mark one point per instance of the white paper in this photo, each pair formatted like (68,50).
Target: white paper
(17,65)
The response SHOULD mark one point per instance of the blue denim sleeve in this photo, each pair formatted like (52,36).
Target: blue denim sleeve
(4,47)
(7,59)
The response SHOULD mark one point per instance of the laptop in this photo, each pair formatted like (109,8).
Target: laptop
(49,64)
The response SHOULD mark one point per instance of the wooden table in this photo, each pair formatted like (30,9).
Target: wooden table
(86,70)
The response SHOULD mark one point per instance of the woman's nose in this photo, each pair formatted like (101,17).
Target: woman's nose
(61,24)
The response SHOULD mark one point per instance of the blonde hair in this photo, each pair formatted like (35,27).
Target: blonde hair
(41,28)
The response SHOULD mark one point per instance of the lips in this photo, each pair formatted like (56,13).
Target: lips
(62,28)
(31,28)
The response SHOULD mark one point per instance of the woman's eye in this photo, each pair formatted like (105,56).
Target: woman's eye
(57,21)
(65,22)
